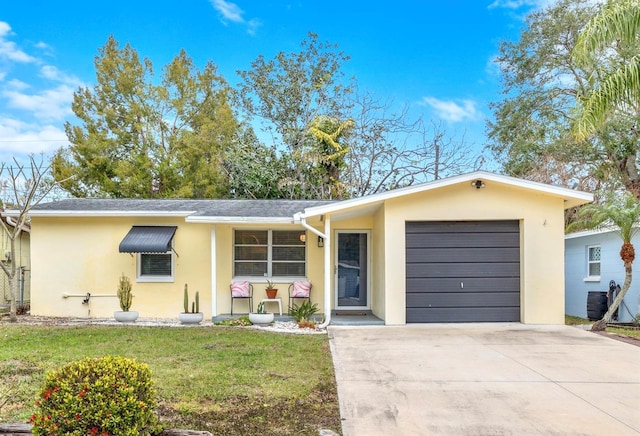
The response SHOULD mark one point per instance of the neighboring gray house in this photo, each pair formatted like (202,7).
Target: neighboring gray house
(592,260)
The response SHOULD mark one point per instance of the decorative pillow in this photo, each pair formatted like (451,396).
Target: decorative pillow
(240,289)
(301,289)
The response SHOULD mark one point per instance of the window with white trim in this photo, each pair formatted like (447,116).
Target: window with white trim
(155,267)
(593,260)
(269,253)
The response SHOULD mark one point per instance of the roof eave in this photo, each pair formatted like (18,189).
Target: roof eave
(238,220)
(571,197)
(107,213)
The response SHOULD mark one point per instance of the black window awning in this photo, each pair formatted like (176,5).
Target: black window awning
(148,239)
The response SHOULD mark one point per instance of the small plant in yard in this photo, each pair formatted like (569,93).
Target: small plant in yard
(195,305)
(303,313)
(124,293)
(235,322)
(261,308)
(97,396)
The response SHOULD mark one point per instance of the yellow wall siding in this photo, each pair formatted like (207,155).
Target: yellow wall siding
(224,263)
(378,299)
(542,250)
(75,256)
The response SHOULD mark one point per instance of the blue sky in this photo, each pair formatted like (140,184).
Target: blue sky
(435,56)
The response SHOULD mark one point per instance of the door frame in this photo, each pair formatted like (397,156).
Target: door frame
(335,269)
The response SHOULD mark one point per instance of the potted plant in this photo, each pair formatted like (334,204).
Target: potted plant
(271,290)
(125,297)
(261,317)
(193,316)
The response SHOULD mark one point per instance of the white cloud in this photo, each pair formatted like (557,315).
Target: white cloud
(452,111)
(9,50)
(517,4)
(21,138)
(49,104)
(229,11)
(232,12)
(53,73)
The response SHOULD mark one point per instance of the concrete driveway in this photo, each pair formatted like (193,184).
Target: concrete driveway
(485,379)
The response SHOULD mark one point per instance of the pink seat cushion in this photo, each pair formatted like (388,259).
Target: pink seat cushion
(301,289)
(240,289)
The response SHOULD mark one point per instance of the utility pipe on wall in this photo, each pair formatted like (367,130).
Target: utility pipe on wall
(327,263)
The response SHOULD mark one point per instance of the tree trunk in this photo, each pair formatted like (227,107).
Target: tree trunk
(601,325)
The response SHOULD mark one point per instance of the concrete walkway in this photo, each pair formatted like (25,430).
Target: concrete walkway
(485,379)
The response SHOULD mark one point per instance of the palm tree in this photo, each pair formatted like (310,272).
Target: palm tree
(618,21)
(623,215)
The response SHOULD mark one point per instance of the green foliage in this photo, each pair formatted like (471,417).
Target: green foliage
(140,138)
(195,305)
(618,22)
(97,396)
(125,297)
(243,321)
(261,308)
(304,311)
(290,92)
(269,285)
(619,213)
(531,135)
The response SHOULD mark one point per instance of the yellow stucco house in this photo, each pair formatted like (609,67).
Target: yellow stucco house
(478,247)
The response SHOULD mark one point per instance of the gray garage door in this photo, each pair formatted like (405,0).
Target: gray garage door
(463,271)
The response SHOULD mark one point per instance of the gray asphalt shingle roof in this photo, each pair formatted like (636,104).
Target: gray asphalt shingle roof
(203,208)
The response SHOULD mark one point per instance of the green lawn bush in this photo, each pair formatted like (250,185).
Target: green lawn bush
(98,396)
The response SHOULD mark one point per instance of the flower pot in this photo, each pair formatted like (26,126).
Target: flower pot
(190,318)
(271,293)
(261,318)
(128,316)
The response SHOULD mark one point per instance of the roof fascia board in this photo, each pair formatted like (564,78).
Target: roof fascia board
(239,220)
(526,184)
(106,213)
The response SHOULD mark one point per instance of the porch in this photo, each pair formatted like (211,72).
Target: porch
(338,317)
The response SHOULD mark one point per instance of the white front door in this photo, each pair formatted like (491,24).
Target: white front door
(352,269)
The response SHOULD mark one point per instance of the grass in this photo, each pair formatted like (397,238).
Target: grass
(225,380)
(634,333)
(575,320)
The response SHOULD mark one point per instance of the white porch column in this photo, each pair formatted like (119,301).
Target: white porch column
(214,274)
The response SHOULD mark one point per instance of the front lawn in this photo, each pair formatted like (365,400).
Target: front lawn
(225,380)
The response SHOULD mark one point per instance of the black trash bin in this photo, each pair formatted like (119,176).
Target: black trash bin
(596,305)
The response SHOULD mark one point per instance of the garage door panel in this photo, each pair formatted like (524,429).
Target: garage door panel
(463,270)
(489,314)
(464,299)
(462,226)
(463,240)
(477,284)
(462,254)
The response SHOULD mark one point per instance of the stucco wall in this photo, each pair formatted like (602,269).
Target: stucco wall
(80,255)
(541,228)
(224,271)
(612,268)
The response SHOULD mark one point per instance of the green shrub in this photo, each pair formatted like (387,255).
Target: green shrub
(303,312)
(97,396)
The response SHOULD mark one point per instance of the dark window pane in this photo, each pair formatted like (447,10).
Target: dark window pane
(251,253)
(288,269)
(282,237)
(155,264)
(251,237)
(288,253)
(250,269)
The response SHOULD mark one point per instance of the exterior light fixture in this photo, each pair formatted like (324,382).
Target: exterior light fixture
(477,184)
(303,237)
(320,241)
